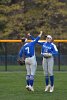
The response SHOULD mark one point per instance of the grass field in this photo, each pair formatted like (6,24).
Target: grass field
(12,87)
(22,68)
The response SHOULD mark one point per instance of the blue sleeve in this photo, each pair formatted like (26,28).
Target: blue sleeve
(55,53)
(55,50)
(21,52)
(40,43)
(36,40)
(32,38)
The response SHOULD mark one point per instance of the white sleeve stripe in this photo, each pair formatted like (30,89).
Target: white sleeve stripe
(55,47)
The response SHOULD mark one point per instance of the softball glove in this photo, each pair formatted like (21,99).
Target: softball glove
(47,55)
(21,61)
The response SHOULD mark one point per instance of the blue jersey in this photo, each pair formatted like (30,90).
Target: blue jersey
(47,47)
(28,50)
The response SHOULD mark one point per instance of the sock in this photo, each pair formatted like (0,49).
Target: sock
(28,79)
(52,80)
(47,80)
(31,80)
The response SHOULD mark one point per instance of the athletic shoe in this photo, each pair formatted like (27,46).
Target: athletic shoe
(31,88)
(51,88)
(47,88)
(27,87)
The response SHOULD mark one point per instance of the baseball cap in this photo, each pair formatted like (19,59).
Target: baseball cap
(24,39)
(49,36)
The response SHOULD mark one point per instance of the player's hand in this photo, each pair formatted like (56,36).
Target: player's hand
(40,33)
(29,34)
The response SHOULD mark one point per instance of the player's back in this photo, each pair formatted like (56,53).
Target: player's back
(29,49)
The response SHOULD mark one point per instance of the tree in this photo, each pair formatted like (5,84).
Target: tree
(49,16)
(22,16)
(16,1)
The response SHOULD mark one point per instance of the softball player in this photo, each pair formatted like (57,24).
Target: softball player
(28,51)
(49,50)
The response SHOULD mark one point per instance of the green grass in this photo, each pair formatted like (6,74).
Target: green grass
(12,87)
(22,68)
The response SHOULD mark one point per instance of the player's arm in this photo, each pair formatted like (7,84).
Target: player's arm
(21,60)
(35,40)
(40,43)
(32,38)
(21,52)
(55,50)
(38,37)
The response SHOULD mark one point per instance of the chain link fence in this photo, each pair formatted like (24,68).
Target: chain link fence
(9,54)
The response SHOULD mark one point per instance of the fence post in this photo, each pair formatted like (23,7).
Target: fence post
(59,56)
(5,56)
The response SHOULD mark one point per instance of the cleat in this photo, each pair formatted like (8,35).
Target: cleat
(51,88)
(27,87)
(47,88)
(31,88)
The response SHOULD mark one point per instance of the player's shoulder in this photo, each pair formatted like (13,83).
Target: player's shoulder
(53,44)
(25,44)
(45,42)
(32,42)
(28,44)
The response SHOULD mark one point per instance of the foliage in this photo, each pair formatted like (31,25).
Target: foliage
(22,16)
(11,19)
(4,1)
(49,16)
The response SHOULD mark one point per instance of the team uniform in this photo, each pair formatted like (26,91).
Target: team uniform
(48,63)
(49,50)
(28,51)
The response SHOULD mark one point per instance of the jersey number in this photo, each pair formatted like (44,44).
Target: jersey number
(27,48)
